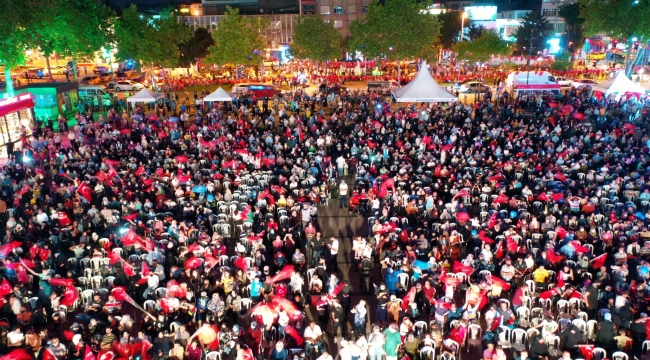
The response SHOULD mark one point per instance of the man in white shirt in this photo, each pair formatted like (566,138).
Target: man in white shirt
(340,165)
(325,356)
(343,195)
(42,217)
(312,336)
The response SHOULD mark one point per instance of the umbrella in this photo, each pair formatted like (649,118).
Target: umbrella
(200,189)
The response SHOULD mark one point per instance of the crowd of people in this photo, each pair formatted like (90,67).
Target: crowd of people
(517,235)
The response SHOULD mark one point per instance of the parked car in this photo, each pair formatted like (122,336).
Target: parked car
(90,80)
(101,70)
(473,87)
(56,70)
(563,81)
(125,85)
(579,83)
(33,73)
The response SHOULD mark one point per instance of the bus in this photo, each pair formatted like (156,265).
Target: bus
(260,90)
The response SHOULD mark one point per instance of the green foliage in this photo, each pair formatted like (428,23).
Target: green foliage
(149,40)
(479,50)
(532,34)
(237,39)
(562,62)
(396,29)
(617,18)
(474,31)
(315,39)
(575,25)
(196,47)
(450,23)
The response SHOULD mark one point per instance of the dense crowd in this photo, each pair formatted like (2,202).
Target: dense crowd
(521,235)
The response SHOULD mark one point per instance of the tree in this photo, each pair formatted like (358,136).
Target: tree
(532,34)
(59,30)
(474,31)
(570,12)
(149,40)
(616,18)
(479,50)
(14,32)
(238,39)
(196,47)
(396,30)
(315,39)
(562,62)
(450,23)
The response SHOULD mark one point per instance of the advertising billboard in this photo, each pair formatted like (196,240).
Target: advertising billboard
(481,13)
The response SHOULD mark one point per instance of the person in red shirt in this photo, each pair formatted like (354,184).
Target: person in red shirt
(518,296)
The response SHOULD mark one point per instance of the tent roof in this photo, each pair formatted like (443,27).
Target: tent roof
(145,95)
(220,95)
(619,84)
(423,88)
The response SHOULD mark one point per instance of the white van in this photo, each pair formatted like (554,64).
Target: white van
(530,78)
(90,91)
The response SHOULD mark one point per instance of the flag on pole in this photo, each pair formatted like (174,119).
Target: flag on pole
(84,191)
(599,261)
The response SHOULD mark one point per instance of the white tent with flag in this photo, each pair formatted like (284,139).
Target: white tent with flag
(220,95)
(423,88)
(619,85)
(145,95)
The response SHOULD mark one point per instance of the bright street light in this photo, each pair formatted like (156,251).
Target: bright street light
(462,24)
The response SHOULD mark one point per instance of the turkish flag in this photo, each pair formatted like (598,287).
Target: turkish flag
(240,263)
(192,263)
(7,248)
(110,162)
(493,220)
(18,354)
(141,170)
(599,261)
(114,258)
(111,173)
(211,261)
(130,217)
(553,257)
(460,268)
(542,197)
(462,193)
(69,297)
(62,282)
(5,288)
(284,274)
(294,334)
(101,176)
(44,254)
(48,355)
(128,269)
(84,191)
(145,269)
(130,238)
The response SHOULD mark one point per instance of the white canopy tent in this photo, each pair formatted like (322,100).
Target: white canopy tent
(619,85)
(423,88)
(220,95)
(145,95)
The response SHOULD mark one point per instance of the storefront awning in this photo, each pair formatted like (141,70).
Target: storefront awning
(16,103)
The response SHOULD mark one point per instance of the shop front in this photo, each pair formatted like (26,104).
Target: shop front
(52,99)
(16,117)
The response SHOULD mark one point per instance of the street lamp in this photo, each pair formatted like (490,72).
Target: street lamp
(462,24)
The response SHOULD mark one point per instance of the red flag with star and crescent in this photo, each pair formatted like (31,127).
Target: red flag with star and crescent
(84,191)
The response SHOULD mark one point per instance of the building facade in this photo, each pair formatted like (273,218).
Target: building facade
(341,12)
(279,31)
(550,11)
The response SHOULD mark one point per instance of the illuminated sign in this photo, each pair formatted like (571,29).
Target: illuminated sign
(481,13)
(13,100)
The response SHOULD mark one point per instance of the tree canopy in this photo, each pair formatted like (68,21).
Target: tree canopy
(238,39)
(532,34)
(570,12)
(617,18)
(196,47)
(315,39)
(479,50)
(149,40)
(450,23)
(395,29)
(474,31)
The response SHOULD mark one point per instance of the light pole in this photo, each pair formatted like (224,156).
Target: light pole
(462,24)
(530,47)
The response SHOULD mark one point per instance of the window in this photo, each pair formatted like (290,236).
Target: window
(364,9)
(325,10)
(338,10)
(338,24)
(352,9)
